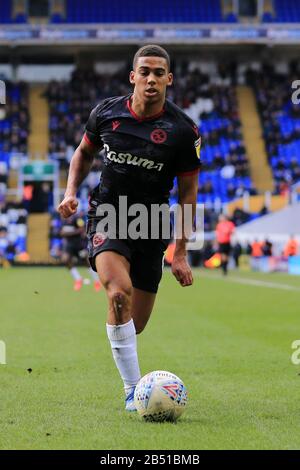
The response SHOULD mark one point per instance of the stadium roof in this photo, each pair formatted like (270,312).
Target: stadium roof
(278,226)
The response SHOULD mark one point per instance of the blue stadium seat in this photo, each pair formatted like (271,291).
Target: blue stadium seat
(133,11)
(56,18)
(231,18)
(5,12)
(287,11)
(20,19)
(267,17)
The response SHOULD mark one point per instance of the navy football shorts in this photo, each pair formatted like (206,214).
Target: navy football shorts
(144,255)
(73,248)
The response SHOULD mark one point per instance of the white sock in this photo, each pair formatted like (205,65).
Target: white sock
(124,348)
(75,274)
(93,275)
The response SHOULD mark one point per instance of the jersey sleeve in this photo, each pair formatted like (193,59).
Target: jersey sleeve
(92,131)
(188,155)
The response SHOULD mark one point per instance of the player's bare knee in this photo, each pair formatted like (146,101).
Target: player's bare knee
(119,302)
(120,299)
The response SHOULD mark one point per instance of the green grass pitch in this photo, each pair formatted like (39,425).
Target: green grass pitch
(228,339)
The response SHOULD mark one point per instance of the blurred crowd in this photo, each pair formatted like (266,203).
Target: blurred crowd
(14,118)
(280,118)
(13,230)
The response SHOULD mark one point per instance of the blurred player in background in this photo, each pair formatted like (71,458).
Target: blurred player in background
(147,141)
(291,248)
(74,250)
(224,231)
(236,254)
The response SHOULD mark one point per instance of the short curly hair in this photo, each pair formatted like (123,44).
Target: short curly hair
(151,50)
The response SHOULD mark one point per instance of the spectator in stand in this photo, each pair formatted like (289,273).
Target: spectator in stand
(267,247)
(218,161)
(263,210)
(248,248)
(228,171)
(231,191)
(256,249)
(240,217)
(240,190)
(291,248)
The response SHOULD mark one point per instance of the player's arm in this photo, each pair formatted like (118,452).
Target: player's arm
(187,199)
(80,166)
(75,232)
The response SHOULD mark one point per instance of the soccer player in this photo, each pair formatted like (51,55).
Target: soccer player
(224,232)
(73,235)
(148,141)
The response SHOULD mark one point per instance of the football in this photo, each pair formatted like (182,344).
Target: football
(160,396)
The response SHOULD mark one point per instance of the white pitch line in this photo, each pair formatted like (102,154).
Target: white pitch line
(252,282)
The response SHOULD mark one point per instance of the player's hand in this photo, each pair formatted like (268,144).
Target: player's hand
(68,206)
(182,271)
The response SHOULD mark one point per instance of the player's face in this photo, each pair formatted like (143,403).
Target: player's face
(151,78)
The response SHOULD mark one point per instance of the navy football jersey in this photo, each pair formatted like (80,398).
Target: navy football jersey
(142,155)
(70,227)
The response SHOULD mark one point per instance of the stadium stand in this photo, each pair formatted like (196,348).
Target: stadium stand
(212,102)
(5,13)
(131,11)
(281,123)
(169,11)
(115,11)
(14,120)
(70,104)
(286,11)
(14,130)
(225,172)
(252,131)
(13,230)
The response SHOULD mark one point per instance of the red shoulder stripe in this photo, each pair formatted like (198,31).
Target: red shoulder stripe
(88,141)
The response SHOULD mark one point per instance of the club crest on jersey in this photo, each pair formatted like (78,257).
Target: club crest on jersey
(158,136)
(115,125)
(98,239)
(197,144)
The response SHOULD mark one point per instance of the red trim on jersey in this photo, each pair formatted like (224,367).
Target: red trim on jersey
(88,141)
(141,119)
(189,173)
